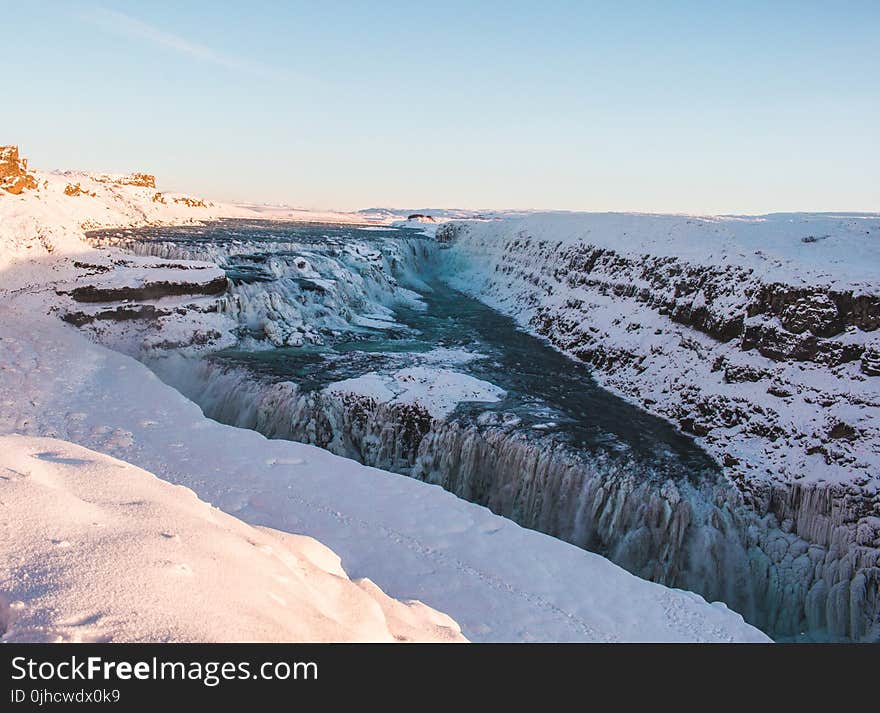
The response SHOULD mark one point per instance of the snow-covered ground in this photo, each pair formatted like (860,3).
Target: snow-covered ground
(99,550)
(500,582)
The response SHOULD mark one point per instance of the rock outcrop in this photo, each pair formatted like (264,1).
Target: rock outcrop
(14,176)
(191,202)
(143,180)
(75,189)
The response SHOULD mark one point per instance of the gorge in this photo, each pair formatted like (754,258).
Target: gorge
(406,352)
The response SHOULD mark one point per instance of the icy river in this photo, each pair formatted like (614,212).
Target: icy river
(353,340)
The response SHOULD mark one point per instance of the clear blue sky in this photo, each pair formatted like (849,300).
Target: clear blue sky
(657,106)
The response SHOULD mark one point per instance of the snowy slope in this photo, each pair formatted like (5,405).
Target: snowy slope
(757,334)
(415,541)
(94,549)
(438,391)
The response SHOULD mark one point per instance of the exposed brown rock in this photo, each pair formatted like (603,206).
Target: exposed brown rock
(145,180)
(75,189)
(191,202)
(140,179)
(14,176)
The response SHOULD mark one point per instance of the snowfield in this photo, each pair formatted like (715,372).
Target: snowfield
(162,554)
(124,556)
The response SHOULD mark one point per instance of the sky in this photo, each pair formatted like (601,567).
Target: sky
(696,107)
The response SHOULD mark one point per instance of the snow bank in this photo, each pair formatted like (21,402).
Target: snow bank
(102,551)
(833,249)
(438,391)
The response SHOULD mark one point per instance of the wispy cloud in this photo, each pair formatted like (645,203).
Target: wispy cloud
(121,24)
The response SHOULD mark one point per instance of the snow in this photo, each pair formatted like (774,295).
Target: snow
(191,572)
(839,250)
(438,391)
(498,581)
(141,271)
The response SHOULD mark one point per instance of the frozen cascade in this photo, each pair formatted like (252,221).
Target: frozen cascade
(294,293)
(787,557)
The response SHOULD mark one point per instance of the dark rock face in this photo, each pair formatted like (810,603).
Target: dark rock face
(735,374)
(871,360)
(447,233)
(727,303)
(817,314)
(825,313)
(843,430)
(780,344)
(117,314)
(148,291)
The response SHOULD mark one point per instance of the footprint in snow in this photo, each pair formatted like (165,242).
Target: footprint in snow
(285,461)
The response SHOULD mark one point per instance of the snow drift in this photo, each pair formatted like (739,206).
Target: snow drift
(102,551)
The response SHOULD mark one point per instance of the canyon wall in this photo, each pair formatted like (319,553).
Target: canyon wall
(772,369)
